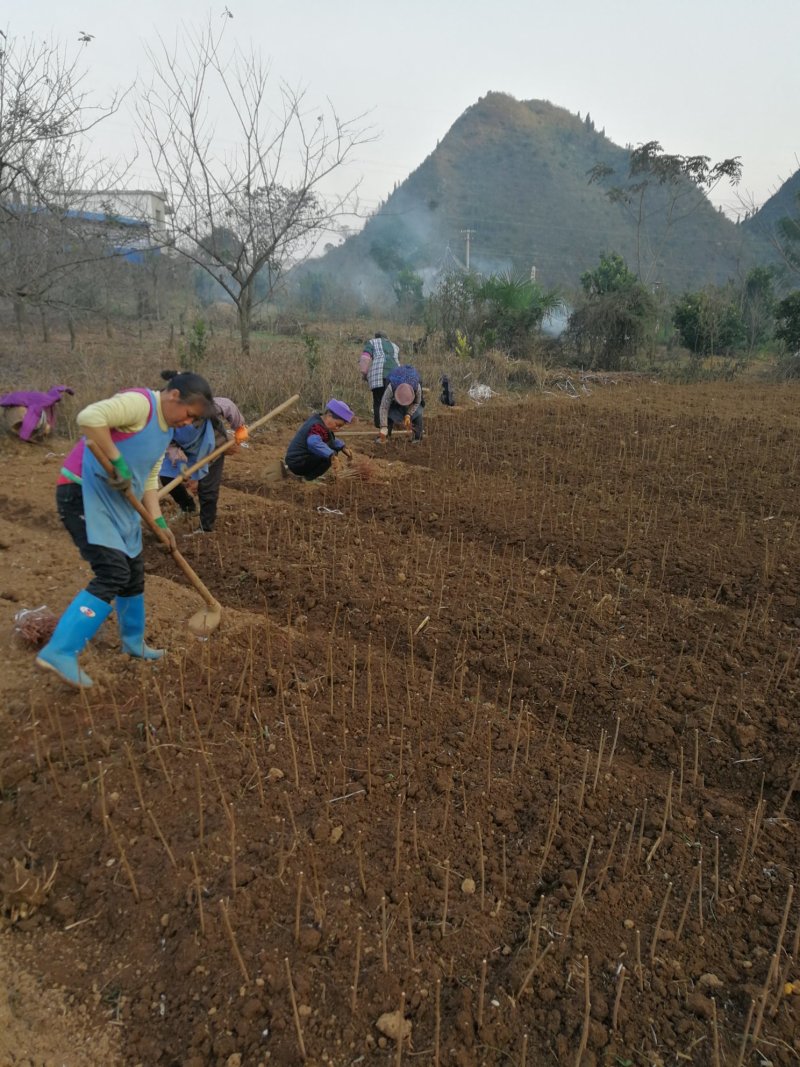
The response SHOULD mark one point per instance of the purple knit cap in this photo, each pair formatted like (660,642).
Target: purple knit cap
(340,410)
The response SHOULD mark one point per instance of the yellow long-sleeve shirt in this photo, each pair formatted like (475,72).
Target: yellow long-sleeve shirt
(128,413)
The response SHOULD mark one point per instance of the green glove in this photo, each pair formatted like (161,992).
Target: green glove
(121,467)
(162,522)
(121,478)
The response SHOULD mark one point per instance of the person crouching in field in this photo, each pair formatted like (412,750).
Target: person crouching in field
(313,447)
(31,414)
(192,443)
(133,429)
(402,403)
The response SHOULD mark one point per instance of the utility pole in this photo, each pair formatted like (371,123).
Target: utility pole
(467,234)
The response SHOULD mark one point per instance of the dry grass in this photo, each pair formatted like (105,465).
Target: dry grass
(275,368)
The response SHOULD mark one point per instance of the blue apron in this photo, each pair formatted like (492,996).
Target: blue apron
(196,442)
(110,518)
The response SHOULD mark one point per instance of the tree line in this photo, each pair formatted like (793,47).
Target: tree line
(244,168)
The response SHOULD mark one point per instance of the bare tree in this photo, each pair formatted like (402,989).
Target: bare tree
(253,198)
(45,116)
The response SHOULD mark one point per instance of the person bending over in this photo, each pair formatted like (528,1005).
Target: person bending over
(188,446)
(402,403)
(378,358)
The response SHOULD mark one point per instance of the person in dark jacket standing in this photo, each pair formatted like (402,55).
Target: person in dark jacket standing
(311,450)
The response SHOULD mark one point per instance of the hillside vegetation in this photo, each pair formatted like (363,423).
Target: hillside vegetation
(516,173)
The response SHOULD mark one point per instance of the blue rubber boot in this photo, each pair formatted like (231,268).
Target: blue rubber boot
(130,612)
(76,627)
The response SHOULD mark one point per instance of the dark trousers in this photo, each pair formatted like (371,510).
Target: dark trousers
(377,396)
(115,574)
(207,493)
(396,416)
(310,466)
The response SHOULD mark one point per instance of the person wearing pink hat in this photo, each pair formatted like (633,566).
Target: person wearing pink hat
(402,403)
(311,450)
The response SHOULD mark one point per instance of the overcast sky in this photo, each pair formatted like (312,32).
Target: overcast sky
(711,77)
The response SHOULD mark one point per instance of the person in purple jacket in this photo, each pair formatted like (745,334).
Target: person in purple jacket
(32,414)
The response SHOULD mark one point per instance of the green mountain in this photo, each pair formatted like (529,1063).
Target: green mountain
(785,203)
(515,175)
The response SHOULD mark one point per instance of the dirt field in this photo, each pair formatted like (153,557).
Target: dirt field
(503,736)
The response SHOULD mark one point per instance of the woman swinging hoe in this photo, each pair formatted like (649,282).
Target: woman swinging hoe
(133,429)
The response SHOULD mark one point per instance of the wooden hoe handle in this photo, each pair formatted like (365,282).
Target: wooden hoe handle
(150,522)
(186,474)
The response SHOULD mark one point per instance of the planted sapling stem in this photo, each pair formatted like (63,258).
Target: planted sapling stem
(618,998)
(481,993)
(482,867)
(232,938)
(293,749)
(657,930)
(583,781)
(791,789)
(137,784)
(201,813)
(232,829)
(397,837)
(601,746)
(401,1030)
(298,905)
(587,1008)
(504,867)
(696,768)
(602,876)
(437,1029)
(762,1000)
(641,831)
(295,1013)
(745,853)
(578,898)
(354,996)
(685,912)
(533,968)
(410,930)
(162,839)
(680,777)
(716,867)
(446,893)
(360,856)
(746,1032)
(614,742)
(384,937)
(103,805)
(124,861)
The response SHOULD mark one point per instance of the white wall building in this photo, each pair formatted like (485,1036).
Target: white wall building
(143,205)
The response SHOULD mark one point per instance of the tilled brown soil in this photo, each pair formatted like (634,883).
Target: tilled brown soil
(502,737)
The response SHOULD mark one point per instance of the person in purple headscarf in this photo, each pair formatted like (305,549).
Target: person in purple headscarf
(312,449)
(31,414)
